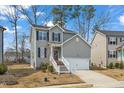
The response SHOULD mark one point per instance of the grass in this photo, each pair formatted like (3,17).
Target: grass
(117,74)
(29,78)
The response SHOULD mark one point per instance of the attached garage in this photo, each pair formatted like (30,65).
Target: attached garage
(78,63)
(77,52)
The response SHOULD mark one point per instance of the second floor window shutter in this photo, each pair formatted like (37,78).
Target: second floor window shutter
(59,37)
(53,36)
(48,36)
(37,35)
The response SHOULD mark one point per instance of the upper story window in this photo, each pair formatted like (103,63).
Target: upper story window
(56,37)
(112,40)
(42,35)
(121,39)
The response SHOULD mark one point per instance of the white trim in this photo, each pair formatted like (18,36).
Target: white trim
(57,26)
(75,36)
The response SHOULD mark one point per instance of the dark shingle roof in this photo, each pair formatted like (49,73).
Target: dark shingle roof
(112,33)
(40,26)
(2,28)
(47,28)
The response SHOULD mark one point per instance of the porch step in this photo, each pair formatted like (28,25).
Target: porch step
(59,63)
(63,68)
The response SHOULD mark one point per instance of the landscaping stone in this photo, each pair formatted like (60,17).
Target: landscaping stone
(8,79)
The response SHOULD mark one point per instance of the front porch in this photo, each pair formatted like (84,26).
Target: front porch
(120,53)
(56,58)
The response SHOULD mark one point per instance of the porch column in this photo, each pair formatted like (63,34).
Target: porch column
(61,51)
(51,50)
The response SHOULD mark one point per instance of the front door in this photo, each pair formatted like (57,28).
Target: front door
(56,54)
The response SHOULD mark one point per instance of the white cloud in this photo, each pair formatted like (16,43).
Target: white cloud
(9,31)
(2,18)
(26,6)
(50,24)
(121,19)
(22,16)
(4,9)
(40,13)
(19,27)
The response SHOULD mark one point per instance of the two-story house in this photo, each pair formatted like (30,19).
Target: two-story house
(64,49)
(1,44)
(104,47)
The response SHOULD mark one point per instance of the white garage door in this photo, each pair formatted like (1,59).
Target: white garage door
(78,63)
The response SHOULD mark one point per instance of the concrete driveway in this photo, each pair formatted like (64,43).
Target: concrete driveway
(98,80)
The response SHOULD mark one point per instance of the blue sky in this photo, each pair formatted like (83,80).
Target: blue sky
(116,23)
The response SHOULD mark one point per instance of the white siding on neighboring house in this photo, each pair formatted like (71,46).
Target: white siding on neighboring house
(98,50)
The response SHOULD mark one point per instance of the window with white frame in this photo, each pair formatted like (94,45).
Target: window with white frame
(112,54)
(42,35)
(121,39)
(56,36)
(42,52)
(112,40)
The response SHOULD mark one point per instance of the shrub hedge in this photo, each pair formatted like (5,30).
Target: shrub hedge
(3,68)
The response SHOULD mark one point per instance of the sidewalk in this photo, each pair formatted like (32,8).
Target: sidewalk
(81,85)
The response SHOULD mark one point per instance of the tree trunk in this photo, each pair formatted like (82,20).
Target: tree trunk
(88,30)
(16,37)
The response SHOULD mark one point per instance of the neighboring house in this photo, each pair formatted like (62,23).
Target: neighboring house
(10,56)
(1,44)
(104,47)
(64,49)
(120,50)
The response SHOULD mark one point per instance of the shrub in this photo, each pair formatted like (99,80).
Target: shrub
(117,65)
(121,65)
(44,67)
(45,79)
(3,69)
(50,68)
(95,67)
(54,77)
(111,66)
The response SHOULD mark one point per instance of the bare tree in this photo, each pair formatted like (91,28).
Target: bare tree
(102,20)
(11,14)
(32,14)
(23,45)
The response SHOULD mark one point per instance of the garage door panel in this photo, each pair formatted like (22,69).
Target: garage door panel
(78,63)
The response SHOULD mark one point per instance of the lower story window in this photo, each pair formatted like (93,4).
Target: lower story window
(112,54)
(42,52)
